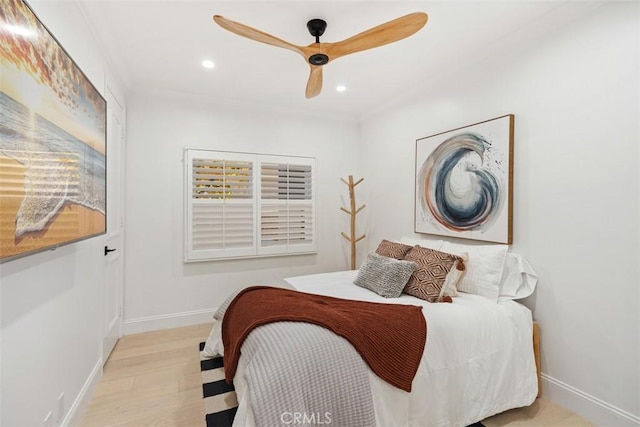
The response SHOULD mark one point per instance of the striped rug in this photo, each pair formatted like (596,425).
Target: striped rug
(220,401)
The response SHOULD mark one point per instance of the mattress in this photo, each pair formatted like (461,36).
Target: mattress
(478,359)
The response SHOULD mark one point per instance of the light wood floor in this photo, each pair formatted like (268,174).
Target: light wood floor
(154,379)
(151,379)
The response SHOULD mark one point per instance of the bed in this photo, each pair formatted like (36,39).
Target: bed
(479,357)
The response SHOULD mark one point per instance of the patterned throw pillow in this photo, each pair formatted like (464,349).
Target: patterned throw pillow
(393,249)
(433,267)
(383,275)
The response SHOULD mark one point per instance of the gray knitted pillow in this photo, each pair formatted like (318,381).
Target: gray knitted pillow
(383,275)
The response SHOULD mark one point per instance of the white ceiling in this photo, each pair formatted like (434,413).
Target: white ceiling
(160,44)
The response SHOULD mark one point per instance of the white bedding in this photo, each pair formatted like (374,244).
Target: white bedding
(478,359)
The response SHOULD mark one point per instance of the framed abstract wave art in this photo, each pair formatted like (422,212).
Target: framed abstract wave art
(52,141)
(464,182)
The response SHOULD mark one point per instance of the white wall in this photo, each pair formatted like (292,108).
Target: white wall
(160,289)
(50,311)
(575,95)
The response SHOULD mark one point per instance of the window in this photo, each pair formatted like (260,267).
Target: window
(241,205)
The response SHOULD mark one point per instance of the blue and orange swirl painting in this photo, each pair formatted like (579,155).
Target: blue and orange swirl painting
(461,184)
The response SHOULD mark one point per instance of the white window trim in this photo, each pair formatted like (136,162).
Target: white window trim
(256,250)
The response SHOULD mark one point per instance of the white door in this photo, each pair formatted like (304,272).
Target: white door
(112,299)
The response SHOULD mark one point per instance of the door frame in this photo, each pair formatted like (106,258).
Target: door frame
(113,96)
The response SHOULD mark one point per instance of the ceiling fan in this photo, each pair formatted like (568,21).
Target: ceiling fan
(318,54)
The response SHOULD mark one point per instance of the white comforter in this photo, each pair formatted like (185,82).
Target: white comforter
(478,359)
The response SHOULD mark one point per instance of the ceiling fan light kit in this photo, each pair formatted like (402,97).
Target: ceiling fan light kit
(318,54)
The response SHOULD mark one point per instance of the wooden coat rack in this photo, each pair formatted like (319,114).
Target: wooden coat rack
(353,212)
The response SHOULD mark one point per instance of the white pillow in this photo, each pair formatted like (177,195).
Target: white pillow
(483,268)
(518,278)
(425,243)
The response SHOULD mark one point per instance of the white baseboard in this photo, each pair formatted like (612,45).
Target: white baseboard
(75,411)
(166,321)
(593,409)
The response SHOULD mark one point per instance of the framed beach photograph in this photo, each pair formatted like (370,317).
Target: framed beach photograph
(52,141)
(464,182)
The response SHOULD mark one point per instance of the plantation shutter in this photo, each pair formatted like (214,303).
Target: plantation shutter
(221,210)
(241,205)
(286,205)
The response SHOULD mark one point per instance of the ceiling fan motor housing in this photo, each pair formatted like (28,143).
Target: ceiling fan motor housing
(318,59)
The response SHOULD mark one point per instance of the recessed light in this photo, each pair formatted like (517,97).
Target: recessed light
(341,88)
(208,64)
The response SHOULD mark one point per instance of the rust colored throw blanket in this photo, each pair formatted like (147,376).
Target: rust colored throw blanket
(389,337)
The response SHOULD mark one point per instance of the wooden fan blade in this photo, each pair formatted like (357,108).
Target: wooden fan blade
(253,34)
(314,85)
(386,33)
